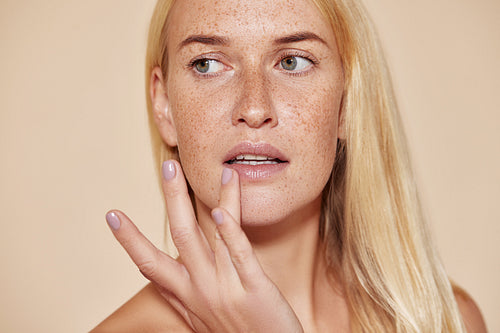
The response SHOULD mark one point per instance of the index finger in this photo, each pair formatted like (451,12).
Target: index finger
(154,264)
(230,193)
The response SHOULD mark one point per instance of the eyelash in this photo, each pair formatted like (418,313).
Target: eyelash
(285,55)
(204,57)
(296,53)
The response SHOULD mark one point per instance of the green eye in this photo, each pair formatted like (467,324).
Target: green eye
(289,63)
(206,66)
(294,63)
(203,66)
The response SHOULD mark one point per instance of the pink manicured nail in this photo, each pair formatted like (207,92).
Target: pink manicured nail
(218,217)
(113,221)
(168,170)
(227,174)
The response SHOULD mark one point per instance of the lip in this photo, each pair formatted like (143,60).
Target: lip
(260,171)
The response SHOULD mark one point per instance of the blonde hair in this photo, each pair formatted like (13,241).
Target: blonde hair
(372,223)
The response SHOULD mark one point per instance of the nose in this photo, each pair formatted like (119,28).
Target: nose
(255,106)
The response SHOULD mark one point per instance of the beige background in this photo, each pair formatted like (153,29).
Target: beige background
(74,143)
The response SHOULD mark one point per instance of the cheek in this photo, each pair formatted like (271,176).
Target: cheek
(197,112)
(194,115)
(314,117)
(318,149)
(200,134)
(307,116)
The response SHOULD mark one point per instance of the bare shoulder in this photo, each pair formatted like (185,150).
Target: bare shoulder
(471,314)
(146,312)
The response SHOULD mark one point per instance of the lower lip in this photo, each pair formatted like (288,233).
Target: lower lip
(257,172)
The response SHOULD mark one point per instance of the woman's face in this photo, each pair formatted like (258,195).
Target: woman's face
(256,86)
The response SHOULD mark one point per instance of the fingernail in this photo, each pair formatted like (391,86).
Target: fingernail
(113,221)
(218,217)
(168,170)
(227,174)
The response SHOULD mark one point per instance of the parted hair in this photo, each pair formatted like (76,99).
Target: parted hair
(375,236)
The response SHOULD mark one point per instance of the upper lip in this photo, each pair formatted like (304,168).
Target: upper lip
(260,149)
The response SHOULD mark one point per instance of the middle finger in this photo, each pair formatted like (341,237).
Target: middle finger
(190,241)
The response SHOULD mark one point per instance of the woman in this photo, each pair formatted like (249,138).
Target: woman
(282,119)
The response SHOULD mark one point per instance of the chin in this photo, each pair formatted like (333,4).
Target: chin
(261,207)
(256,218)
(267,210)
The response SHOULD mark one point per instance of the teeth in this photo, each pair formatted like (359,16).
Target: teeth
(250,157)
(255,162)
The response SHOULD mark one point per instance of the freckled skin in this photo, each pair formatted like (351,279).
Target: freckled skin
(212,115)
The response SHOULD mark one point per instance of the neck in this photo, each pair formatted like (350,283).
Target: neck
(290,251)
(292,256)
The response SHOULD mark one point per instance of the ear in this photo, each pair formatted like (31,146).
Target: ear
(161,109)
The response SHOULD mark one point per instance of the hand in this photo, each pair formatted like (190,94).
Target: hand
(219,289)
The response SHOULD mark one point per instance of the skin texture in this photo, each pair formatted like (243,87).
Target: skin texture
(262,268)
(217,288)
(252,99)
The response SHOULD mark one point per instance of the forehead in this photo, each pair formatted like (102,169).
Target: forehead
(250,20)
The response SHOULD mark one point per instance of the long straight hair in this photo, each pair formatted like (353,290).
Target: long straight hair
(376,239)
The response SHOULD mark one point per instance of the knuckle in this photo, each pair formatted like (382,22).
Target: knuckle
(231,232)
(181,236)
(175,190)
(148,268)
(254,275)
(241,256)
(131,244)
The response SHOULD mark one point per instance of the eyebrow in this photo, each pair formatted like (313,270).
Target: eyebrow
(204,39)
(299,37)
(223,41)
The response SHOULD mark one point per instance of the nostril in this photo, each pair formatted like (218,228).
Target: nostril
(254,119)
(266,121)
